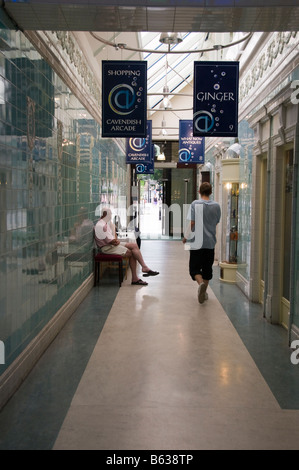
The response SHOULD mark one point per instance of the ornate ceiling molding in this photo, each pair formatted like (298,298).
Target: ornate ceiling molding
(267,59)
(67,60)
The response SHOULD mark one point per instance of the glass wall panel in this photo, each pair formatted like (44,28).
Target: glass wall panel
(246,140)
(55,170)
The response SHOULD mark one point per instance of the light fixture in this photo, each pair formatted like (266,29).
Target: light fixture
(165,103)
(171,38)
(163,131)
(161,157)
(160,152)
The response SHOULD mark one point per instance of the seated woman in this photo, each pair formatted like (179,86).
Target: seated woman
(106,239)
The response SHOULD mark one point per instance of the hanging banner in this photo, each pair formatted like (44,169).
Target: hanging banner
(139,150)
(147,168)
(191,149)
(215,102)
(124,98)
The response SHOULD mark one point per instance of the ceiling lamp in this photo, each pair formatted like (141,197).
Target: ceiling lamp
(170,38)
(163,131)
(161,156)
(165,103)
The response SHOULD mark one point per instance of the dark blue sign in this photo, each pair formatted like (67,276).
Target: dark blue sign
(191,149)
(124,98)
(146,168)
(215,102)
(139,150)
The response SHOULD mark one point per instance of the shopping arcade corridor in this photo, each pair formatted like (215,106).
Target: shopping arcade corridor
(165,372)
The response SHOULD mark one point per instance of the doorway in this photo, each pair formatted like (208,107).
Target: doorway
(151,195)
(164,200)
(181,192)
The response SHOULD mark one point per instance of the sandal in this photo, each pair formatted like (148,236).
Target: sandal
(150,273)
(139,283)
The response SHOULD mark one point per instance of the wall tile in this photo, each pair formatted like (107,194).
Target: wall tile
(47,189)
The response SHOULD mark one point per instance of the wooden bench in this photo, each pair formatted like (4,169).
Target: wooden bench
(105,258)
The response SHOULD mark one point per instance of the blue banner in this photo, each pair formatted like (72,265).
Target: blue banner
(146,168)
(124,98)
(215,102)
(139,150)
(191,149)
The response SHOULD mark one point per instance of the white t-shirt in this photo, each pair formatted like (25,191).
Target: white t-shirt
(103,233)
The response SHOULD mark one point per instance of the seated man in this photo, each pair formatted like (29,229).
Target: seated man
(106,239)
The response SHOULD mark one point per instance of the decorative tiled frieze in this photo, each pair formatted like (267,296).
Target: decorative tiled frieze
(76,58)
(277,46)
(59,48)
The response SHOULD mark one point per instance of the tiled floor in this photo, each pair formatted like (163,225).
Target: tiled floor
(151,368)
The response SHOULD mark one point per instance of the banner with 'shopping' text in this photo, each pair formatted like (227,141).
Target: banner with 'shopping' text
(124,98)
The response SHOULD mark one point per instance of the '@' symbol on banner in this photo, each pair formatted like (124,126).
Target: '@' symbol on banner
(137,144)
(203,121)
(184,155)
(121,99)
(140,168)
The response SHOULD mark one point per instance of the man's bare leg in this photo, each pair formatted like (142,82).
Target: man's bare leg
(203,284)
(199,279)
(133,266)
(137,256)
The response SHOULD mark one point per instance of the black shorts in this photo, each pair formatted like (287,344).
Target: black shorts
(201,262)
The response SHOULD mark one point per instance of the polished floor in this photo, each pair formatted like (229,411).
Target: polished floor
(150,368)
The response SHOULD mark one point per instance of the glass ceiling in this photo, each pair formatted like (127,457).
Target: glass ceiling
(168,65)
(179,66)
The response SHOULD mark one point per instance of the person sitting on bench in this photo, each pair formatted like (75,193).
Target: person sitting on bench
(106,239)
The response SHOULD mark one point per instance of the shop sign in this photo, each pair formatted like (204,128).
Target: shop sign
(191,149)
(215,102)
(124,98)
(139,150)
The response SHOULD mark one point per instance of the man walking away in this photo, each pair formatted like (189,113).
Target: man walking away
(203,217)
